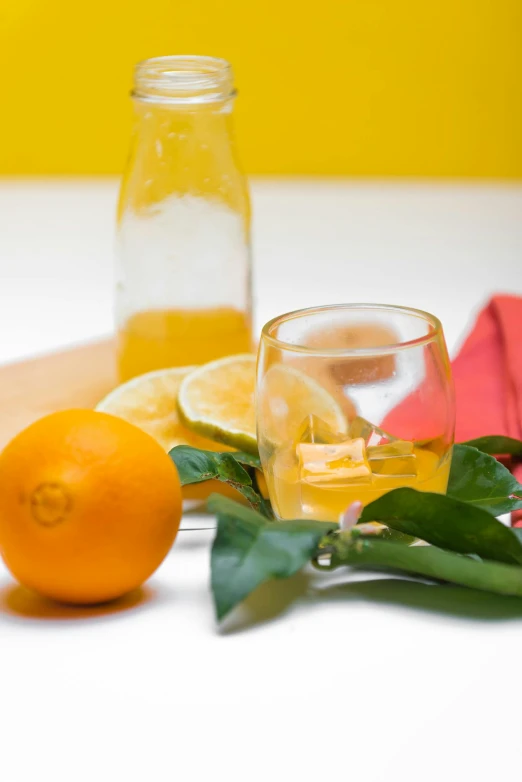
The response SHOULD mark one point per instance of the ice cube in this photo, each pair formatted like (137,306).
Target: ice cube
(334,465)
(396,459)
(314,430)
(371,434)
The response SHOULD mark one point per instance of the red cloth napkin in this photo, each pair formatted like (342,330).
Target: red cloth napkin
(488,378)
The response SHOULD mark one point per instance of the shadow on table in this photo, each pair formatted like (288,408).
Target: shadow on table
(274,598)
(17,602)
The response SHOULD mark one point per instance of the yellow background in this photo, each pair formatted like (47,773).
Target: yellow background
(357,87)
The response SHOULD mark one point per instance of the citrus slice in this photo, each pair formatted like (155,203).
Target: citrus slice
(287,397)
(217,401)
(149,402)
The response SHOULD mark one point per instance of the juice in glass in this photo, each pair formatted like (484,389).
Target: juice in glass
(319,481)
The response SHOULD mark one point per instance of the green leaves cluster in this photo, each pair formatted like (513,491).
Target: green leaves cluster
(467,544)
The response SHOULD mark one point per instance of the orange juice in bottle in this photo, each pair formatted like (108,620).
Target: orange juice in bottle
(168,338)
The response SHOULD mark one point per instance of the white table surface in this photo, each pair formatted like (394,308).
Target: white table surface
(379,680)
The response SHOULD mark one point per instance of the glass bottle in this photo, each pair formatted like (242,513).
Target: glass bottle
(183,291)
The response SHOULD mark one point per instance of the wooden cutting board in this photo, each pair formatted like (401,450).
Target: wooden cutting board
(81,376)
(77,377)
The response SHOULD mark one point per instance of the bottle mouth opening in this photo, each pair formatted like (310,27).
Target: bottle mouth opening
(185,79)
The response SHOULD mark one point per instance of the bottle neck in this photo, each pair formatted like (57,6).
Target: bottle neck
(184,81)
(183,141)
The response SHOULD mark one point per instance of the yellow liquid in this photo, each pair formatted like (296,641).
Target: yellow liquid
(155,339)
(296,498)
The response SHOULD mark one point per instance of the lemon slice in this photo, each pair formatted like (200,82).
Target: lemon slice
(287,397)
(149,402)
(217,401)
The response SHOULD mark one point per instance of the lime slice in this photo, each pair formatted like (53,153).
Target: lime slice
(149,402)
(287,397)
(217,401)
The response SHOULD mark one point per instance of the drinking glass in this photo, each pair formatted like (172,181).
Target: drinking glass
(353,400)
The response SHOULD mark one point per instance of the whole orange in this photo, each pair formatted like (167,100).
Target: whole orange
(89,506)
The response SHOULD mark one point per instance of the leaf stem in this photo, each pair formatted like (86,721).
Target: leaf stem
(430,562)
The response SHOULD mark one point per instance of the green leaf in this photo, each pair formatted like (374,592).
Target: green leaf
(382,532)
(447,523)
(430,562)
(249,550)
(196,466)
(247,459)
(482,481)
(497,445)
